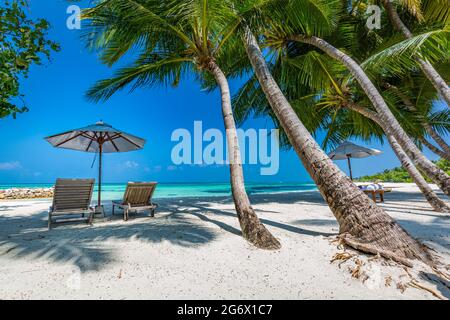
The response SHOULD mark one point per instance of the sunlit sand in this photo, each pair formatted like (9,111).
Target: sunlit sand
(192,248)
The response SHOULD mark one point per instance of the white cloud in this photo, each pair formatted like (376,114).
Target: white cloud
(131,164)
(12,165)
(171,168)
(154,169)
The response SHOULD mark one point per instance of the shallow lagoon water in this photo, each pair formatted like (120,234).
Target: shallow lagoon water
(111,191)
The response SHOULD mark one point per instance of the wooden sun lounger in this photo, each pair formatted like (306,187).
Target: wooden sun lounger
(379,192)
(137,197)
(72,197)
(374,194)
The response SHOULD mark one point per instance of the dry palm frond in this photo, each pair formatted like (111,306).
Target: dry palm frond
(388,281)
(415,284)
(342,256)
(357,272)
(401,286)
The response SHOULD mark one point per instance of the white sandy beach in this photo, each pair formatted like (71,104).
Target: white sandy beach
(192,249)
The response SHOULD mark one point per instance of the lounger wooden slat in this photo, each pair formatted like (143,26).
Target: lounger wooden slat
(374,193)
(137,197)
(71,197)
(380,192)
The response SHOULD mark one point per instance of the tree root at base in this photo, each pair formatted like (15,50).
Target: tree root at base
(367,248)
(406,264)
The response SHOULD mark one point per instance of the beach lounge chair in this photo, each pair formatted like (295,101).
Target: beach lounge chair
(374,193)
(137,197)
(71,197)
(374,190)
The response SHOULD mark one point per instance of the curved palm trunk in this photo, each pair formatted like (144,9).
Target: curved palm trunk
(436,203)
(362,224)
(435,149)
(445,152)
(432,198)
(252,228)
(392,125)
(441,142)
(429,71)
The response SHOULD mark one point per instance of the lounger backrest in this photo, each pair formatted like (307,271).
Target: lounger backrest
(139,193)
(73,194)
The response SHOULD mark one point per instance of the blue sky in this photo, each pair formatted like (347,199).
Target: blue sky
(55,96)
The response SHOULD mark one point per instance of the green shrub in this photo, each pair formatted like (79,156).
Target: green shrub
(400,175)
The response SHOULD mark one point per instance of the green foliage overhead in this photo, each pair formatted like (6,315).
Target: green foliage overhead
(23,42)
(169,40)
(397,57)
(400,174)
(321,89)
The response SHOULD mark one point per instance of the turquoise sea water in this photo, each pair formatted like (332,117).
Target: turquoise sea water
(113,191)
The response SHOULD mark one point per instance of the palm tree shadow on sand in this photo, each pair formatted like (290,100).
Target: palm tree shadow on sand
(27,237)
(87,247)
(203,210)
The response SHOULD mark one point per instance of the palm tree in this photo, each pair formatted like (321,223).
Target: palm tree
(392,126)
(363,225)
(331,108)
(173,39)
(323,102)
(427,68)
(396,66)
(415,101)
(285,25)
(435,202)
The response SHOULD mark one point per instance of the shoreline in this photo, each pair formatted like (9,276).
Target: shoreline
(49,192)
(40,190)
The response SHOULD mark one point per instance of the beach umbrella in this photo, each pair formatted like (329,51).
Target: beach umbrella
(97,138)
(348,150)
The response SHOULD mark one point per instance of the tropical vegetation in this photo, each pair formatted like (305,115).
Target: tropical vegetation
(23,43)
(326,97)
(399,174)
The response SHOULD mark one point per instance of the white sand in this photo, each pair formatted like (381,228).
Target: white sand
(192,250)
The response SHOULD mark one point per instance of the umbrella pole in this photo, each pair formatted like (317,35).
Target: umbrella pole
(350,167)
(100,175)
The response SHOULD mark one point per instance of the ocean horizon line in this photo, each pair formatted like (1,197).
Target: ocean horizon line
(164,182)
(111,191)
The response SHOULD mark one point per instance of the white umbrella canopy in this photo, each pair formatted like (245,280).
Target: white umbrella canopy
(348,150)
(91,138)
(99,137)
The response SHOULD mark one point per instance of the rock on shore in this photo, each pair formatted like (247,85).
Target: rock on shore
(26,193)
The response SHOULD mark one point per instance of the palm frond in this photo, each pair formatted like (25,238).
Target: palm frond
(436,11)
(398,58)
(162,72)
(414,7)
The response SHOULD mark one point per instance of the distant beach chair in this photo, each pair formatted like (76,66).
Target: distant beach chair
(71,197)
(374,190)
(137,197)
(374,194)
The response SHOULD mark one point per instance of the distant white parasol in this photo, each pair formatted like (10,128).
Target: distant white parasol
(349,150)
